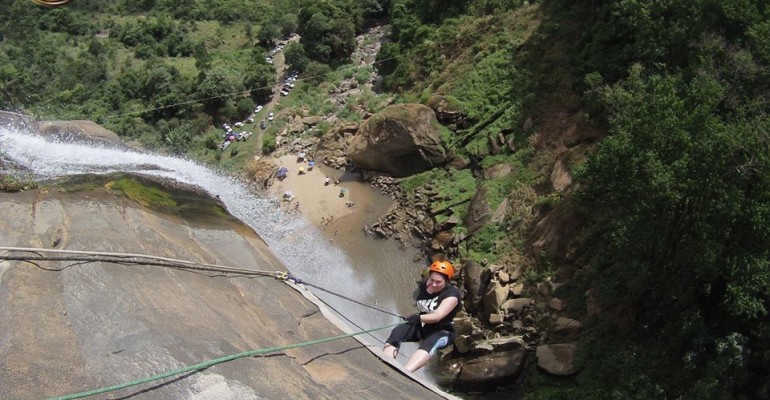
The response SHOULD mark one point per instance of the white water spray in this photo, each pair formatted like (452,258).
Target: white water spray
(330,268)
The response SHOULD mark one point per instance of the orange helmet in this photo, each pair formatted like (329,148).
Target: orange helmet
(443,267)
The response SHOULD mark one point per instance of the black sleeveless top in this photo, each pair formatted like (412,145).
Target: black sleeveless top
(428,303)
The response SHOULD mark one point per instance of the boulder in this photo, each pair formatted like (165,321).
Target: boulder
(458,163)
(448,109)
(557,359)
(561,178)
(557,304)
(498,171)
(478,211)
(496,319)
(442,240)
(517,305)
(494,297)
(295,125)
(401,140)
(17,121)
(501,211)
(503,344)
(565,326)
(312,120)
(475,280)
(517,289)
(486,372)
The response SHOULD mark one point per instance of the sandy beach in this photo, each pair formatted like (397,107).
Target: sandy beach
(319,203)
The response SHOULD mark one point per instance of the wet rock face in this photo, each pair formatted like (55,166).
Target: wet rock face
(401,140)
(99,322)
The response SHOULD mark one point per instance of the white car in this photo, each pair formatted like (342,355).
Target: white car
(258,109)
(270,116)
(238,124)
(250,120)
(284,93)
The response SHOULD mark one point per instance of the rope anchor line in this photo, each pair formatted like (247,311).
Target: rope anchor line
(34,254)
(210,363)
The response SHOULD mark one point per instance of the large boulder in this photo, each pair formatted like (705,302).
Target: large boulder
(490,370)
(557,359)
(401,140)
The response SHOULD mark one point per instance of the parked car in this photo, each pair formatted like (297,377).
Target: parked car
(250,120)
(284,93)
(238,124)
(270,116)
(263,124)
(258,109)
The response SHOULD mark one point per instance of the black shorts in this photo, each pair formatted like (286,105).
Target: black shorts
(432,339)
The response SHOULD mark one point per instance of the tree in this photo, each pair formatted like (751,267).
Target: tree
(215,90)
(679,205)
(316,72)
(295,56)
(268,33)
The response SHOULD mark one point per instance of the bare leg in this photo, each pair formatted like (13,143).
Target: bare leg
(389,350)
(417,360)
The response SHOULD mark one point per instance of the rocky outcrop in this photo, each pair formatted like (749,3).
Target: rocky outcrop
(17,121)
(102,323)
(334,143)
(449,110)
(401,140)
(478,211)
(78,131)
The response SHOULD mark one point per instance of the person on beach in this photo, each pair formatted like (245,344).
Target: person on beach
(438,301)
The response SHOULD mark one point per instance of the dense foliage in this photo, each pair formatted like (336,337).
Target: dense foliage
(163,71)
(677,199)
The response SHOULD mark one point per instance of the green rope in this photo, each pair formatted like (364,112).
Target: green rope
(213,362)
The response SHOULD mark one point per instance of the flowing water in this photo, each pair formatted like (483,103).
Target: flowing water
(374,272)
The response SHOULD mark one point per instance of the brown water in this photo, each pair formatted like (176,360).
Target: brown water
(386,265)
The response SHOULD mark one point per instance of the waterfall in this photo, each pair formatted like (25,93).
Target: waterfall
(330,267)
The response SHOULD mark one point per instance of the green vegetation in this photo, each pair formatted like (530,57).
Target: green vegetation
(143,193)
(10,184)
(163,72)
(673,204)
(657,110)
